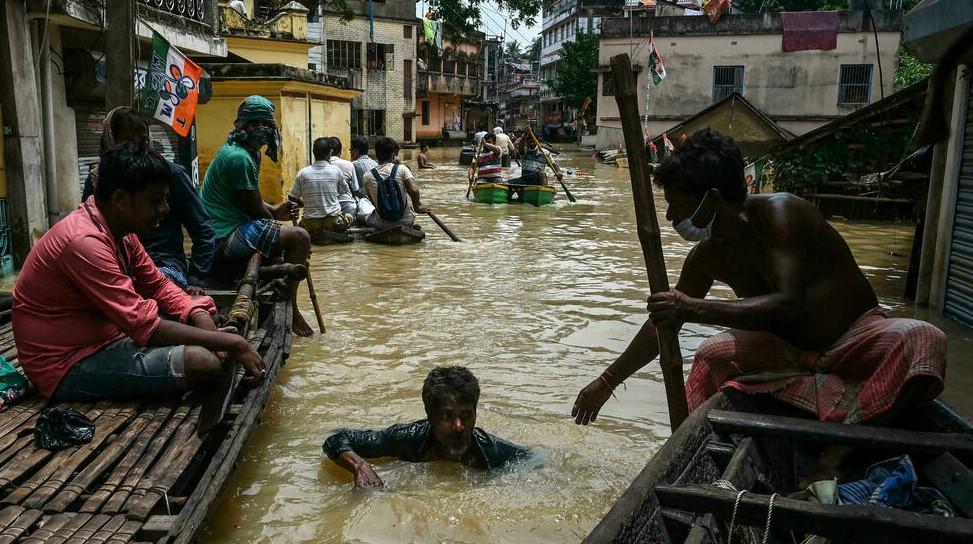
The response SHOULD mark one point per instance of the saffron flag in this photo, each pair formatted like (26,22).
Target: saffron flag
(656,68)
(715,9)
(171,89)
(667,143)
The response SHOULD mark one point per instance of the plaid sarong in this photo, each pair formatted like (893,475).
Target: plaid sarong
(261,235)
(858,378)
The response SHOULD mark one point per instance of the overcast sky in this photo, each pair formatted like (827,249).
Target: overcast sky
(492,22)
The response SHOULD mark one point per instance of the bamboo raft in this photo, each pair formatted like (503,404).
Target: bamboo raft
(393,236)
(676,497)
(148,475)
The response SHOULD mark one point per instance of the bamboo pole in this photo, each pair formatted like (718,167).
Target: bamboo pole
(670,358)
(312,294)
(474,167)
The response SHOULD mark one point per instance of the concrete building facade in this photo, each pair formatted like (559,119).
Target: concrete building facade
(446,79)
(799,90)
(376,53)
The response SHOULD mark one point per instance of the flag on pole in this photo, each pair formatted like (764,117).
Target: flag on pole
(656,68)
(667,143)
(171,89)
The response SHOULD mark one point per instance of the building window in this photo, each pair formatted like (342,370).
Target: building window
(407,129)
(726,81)
(379,56)
(607,84)
(374,122)
(342,54)
(407,79)
(425,113)
(312,66)
(855,84)
(407,32)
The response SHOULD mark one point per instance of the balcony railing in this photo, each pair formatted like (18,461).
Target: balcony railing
(196,10)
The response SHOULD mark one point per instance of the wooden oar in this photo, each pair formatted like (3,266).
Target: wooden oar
(444,227)
(670,357)
(313,295)
(554,167)
(474,167)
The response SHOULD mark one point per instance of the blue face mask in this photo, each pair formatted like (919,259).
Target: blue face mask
(268,136)
(692,233)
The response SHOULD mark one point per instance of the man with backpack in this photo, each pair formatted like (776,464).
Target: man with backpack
(392,188)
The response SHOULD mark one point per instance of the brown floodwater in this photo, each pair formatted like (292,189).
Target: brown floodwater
(536,302)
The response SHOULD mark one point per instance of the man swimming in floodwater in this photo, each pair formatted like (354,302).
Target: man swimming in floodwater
(806,328)
(449,433)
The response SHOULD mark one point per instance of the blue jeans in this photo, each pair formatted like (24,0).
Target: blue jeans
(123,370)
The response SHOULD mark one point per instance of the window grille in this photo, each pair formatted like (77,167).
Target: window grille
(379,56)
(726,81)
(855,84)
(344,54)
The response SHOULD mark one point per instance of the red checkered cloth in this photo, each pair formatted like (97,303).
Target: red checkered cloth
(856,379)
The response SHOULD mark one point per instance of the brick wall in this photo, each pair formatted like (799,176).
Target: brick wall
(383,89)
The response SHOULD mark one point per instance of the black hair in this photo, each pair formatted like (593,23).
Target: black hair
(130,167)
(446,383)
(359,144)
(490,137)
(123,120)
(335,145)
(423,145)
(321,148)
(385,149)
(707,160)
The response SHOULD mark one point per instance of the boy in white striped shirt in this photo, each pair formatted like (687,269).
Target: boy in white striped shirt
(322,186)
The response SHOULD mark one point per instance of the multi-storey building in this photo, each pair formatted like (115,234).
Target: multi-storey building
(521,92)
(56,73)
(447,80)
(799,90)
(376,51)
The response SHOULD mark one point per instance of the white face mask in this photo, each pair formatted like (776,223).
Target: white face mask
(691,232)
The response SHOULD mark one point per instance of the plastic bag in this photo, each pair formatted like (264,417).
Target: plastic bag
(62,427)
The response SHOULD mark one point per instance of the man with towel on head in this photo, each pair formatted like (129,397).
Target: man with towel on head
(243,221)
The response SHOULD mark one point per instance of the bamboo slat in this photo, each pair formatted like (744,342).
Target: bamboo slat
(107,530)
(47,529)
(9,514)
(20,526)
(166,471)
(126,533)
(64,462)
(94,469)
(88,529)
(123,485)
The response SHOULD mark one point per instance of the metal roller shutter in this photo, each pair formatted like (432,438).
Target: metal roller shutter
(959,279)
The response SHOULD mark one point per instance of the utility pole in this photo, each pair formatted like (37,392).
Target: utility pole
(120,43)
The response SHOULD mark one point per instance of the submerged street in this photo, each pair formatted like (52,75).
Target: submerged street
(536,302)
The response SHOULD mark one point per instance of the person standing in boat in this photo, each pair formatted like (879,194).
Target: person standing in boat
(386,150)
(534,168)
(321,186)
(88,304)
(449,433)
(243,221)
(806,329)
(506,146)
(488,168)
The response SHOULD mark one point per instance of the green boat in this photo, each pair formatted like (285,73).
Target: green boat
(501,193)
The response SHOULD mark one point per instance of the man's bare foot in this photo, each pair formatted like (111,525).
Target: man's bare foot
(301,328)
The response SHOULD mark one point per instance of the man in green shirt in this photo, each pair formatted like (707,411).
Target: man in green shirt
(243,221)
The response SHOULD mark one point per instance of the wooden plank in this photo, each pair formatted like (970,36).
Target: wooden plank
(951,477)
(157,527)
(852,523)
(741,471)
(204,499)
(20,526)
(806,430)
(126,533)
(64,462)
(121,486)
(105,459)
(47,529)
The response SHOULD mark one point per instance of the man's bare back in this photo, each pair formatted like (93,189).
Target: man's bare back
(784,248)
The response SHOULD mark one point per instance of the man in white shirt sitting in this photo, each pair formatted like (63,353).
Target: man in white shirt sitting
(321,186)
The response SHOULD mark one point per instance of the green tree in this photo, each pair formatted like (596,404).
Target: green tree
(574,80)
(910,70)
(534,53)
(463,17)
(513,52)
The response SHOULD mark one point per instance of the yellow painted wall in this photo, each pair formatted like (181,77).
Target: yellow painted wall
(262,51)
(3,165)
(331,116)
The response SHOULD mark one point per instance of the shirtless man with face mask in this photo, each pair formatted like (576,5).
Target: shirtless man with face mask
(806,327)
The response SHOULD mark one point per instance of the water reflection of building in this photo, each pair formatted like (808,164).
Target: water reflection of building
(799,89)
(55,74)
(936,31)
(447,81)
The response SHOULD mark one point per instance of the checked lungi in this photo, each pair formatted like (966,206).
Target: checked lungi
(858,378)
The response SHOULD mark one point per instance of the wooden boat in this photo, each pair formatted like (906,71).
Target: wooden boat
(148,474)
(394,236)
(674,498)
(502,193)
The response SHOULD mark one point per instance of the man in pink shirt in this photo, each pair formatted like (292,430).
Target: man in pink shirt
(88,301)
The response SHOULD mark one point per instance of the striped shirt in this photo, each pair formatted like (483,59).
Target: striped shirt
(320,186)
(489,169)
(534,161)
